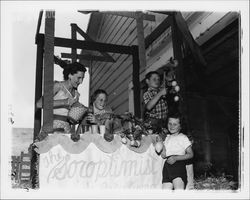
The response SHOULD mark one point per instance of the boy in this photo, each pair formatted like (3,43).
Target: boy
(156,108)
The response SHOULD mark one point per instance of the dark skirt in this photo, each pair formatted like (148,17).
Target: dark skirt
(170,172)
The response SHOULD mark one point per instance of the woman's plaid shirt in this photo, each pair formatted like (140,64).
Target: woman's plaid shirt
(160,110)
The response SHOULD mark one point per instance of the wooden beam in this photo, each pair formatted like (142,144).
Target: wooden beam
(141,40)
(180,76)
(87,57)
(39,22)
(88,38)
(74,37)
(158,31)
(162,12)
(147,17)
(194,47)
(37,112)
(48,70)
(136,82)
(132,15)
(94,46)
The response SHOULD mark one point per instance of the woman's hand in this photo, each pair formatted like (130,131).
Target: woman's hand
(171,160)
(71,101)
(91,118)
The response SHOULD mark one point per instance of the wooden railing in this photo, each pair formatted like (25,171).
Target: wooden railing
(21,167)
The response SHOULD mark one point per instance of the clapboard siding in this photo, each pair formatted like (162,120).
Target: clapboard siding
(118,101)
(104,73)
(120,38)
(122,108)
(115,77)
(114,40)
(118,76)
(106,27)
(113,29)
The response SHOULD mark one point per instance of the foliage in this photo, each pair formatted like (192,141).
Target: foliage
(215,183)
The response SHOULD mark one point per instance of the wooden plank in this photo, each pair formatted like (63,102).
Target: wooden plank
(26,163)
(141,40)
(25,171)
(119,97)
(94,46)
(180,77)
(184,30)
(119,58)
(162,12)
(133,39)
(119,77)
(88,57)
(37,112)
(73,37)
(38,89)
(39,22)
(108,22)
(113,27)
(122,107)
(157,31)
(88,38)
(131,15)
(116,91)
(119,102)
(101,78)
(115,35)
(48,70)
(136,82)
(114,40)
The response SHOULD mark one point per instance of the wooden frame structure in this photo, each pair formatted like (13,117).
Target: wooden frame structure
(45,58)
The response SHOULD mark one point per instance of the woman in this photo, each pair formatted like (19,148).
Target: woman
(65,94)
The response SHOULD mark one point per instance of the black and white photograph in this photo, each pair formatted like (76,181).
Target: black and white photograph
(129,99)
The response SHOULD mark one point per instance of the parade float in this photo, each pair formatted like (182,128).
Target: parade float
(128,159)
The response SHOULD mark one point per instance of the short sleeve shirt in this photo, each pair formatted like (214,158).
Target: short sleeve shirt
(160,110)
(176,144)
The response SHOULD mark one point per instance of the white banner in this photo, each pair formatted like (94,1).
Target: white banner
(95,169)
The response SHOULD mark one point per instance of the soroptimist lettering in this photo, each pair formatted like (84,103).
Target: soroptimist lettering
(110,166)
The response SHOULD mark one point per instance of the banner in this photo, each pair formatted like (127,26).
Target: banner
(93,168)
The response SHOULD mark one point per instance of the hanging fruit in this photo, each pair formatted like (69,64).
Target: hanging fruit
(176,98)
(177,88)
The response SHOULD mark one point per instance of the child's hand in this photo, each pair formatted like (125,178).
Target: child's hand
(171,160)
(91,118)
(163,92)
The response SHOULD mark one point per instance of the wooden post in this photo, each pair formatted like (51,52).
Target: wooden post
(38,94)
(136,81)
(141,40)
(176,39)
(73,36)
(38,113)
(207,145)
(48,70)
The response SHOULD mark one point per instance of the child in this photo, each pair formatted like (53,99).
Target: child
(101,114)
(177,149)
(155,103)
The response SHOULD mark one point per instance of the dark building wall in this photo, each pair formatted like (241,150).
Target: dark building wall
(221,94)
